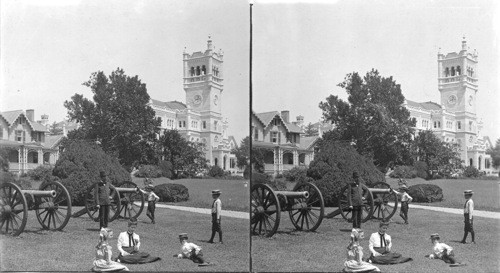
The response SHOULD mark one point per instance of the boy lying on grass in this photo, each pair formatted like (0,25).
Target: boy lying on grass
(190,251)
(442,251)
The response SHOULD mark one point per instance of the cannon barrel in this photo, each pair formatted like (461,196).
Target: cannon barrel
(297,194)
(39,193)
(377,190)
(121,190)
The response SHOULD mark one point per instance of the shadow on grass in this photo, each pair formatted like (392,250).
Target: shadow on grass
(345,229)
(93,229)
(38,231)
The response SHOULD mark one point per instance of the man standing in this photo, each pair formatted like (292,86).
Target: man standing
(468,219)
(101,195)
(355,200)
(216,216)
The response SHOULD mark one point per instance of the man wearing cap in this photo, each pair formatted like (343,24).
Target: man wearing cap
(468,219)
(216,211)
(355,200)
(380,245)
(102,201)
(405,199)
(129,243)
(190,251)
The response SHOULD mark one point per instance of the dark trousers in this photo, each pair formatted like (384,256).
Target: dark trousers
(151,210)
(103,216)
(356,216)
(216,227)
(197,258)
(468,227)
(404,211)
(449,258)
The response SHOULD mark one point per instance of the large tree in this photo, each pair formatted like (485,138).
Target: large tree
(439,155)
(310,130)
(243,156)
(118,117)
(373,118)
(495,154)
(187,158)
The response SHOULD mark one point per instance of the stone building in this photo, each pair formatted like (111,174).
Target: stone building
(454,119)
(200,118)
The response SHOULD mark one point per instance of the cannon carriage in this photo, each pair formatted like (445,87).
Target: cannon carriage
(379,202)
(51,203)
(127,201)
(305,206)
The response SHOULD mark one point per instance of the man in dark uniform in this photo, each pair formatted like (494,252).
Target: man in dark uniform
(102,199)
(355,200)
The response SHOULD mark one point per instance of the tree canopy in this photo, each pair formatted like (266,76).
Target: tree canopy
(118,117)
(495,154)
(310,130)
(242,154)
(373,118)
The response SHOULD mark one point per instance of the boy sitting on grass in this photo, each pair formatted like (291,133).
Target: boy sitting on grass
(442,251)
(190,251)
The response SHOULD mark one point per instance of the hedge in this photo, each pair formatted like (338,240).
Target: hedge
(425,193)
(170,192)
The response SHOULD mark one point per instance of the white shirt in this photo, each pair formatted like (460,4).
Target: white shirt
(217,207)
(469,207)
(405,197)
(186,249)
(375,242)
(123,241)
(151,195)
(438,250)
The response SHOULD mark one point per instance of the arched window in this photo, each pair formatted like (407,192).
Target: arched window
(447,72)
(459,71)
(192,71)
(439,124)
(472,72)
(203,70)
(452,71)
(197,71)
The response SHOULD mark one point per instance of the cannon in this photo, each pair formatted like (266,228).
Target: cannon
(305,206)
(127,201)
(51,203)
(379,202)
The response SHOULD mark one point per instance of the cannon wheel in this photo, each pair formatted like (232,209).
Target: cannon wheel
(382,209)
(307,213)
(14,209)
(92,210)
(367,204)
(53,212)
(129,201)
(265,213)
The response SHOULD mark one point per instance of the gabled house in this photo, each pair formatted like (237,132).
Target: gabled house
(27,141)
(282,141)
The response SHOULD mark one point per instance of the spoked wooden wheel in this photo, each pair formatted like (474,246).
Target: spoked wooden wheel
(383,210)
(53,212)
(14,209)
(307,213)
(265,213)
(131,203)
(91,206)
(367,209)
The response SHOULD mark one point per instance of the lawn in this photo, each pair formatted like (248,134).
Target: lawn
(324,250)
(73,248)
(235,193)
(486,192)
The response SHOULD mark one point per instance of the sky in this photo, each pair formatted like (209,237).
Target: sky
(50,47)
(302,51)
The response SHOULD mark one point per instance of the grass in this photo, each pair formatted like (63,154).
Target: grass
(235,195)
(324,250)
(486,192)
(73,248)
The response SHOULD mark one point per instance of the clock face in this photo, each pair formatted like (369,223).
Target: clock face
(471,100)
(197,99)
(216,99)
(452,99)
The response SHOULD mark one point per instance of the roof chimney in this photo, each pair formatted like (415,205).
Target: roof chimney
(285,115)
(30,114)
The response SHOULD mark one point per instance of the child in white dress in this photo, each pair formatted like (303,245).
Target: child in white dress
(354,261)
(102,261)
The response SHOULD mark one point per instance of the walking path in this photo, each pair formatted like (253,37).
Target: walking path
(245,215)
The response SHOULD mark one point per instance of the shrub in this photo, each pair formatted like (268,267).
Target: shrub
(216,171)
(426,193)
(170,192)
(404,172)
(40,173)
(260,178)
(150,171)
(422,169)
(471,171)
(333,166)
(278,184)
(79,165)
(165,168)
(298,174)
(23,182)
(6,177)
